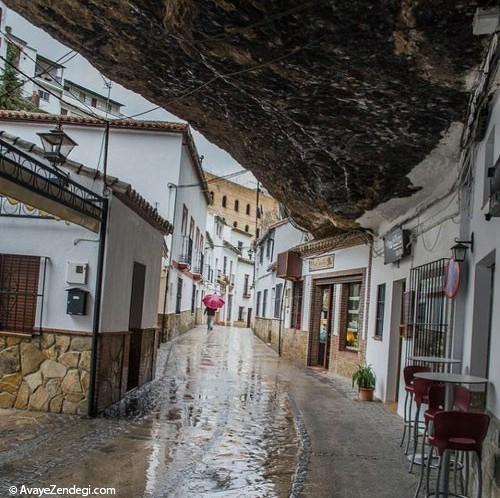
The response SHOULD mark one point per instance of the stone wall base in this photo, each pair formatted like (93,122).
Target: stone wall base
(49,372)
(294,343)
(178,324)
(491,461)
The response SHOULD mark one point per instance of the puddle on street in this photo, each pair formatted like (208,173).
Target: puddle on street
(217,422)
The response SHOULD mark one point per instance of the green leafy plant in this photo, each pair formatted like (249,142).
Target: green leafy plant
(364,377)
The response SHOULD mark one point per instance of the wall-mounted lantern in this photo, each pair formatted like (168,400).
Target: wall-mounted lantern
(459,250)
(56,145)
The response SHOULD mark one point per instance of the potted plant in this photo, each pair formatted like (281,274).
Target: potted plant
(364,377)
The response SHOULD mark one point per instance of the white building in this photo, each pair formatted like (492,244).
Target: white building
(79,274)
(161,161)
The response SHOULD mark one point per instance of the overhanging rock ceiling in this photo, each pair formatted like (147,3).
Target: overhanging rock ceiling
(329,103)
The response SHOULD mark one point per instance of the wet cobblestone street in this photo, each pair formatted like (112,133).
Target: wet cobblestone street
(225,418)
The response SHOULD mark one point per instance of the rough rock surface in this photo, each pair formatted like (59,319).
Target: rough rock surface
(329,103)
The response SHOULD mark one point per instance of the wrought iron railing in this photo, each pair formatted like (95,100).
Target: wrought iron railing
(198,265)
(48,181)
(186,254)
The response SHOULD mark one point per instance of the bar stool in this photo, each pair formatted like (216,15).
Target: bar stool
(462,399)
(436,396)
(421,397)
(458,431)
(408,376)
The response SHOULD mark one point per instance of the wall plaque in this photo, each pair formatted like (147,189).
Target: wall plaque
(321,262)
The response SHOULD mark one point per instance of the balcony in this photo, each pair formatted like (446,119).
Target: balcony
(185,257)
(198,267)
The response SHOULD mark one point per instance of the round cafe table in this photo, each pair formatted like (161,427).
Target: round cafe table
(449,380)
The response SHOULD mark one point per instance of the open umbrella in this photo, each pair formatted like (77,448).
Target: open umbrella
(213,301)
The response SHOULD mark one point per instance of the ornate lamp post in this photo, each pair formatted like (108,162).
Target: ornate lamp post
(56,145)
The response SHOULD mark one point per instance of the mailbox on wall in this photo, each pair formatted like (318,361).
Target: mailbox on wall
(77,301)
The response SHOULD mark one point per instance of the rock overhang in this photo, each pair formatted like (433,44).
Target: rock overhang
(330,104)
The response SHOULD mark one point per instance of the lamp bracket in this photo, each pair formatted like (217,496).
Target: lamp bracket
(467,242)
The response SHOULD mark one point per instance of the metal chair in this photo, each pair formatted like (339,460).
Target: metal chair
(409,376)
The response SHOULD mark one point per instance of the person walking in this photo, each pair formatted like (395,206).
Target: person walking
(210,312)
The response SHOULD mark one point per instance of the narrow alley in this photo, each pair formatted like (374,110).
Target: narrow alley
(225,417)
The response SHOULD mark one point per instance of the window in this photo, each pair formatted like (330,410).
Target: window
(245,286)
(257,235)
(269,248)
(193,299)
(18,292)
(278,296)
(236,205)
(257,313)
(248,209)
(191,228)
(240,245)
(296,319)
(43,95)
(352,325)
(178,297)
(235,224)
(379,324)
(93,102)
(247,228)
(64,112)
(224,201)
(489,162)
(264,303)
(261,254)
(241,313)
(184,219)
(224,268)
(82,97)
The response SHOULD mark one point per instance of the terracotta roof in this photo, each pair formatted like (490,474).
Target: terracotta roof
(88,121)
(341,241)
(131,124)
(122,190)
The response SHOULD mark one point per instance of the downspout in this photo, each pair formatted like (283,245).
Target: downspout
(169,260)
(92,409)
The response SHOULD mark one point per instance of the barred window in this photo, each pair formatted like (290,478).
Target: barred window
(296,320)
(379,324)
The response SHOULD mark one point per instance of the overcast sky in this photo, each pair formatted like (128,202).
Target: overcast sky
(81,71)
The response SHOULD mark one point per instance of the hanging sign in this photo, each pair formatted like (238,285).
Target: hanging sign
(396,245)
(452,282)
(321,262)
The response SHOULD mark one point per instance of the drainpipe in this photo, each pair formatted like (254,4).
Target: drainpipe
(92,409)
(169,258)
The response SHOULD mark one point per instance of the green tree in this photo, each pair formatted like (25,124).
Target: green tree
(11,88)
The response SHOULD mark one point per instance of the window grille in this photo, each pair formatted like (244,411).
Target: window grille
(20,296)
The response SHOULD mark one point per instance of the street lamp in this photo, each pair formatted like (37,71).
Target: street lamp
(459,250)
(56,145)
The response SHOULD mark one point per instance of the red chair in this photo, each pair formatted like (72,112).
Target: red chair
(436,397)
(460,432)
(409,376)
(462,399)
(421,396)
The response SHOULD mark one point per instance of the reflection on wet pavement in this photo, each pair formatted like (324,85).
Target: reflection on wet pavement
(217,422)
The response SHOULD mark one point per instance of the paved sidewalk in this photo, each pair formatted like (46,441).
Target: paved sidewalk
(227,418)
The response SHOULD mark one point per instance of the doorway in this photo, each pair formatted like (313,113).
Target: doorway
(135,324)
(484,290)
(320,337)
(395,341)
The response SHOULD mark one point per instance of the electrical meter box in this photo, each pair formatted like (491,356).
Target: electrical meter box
(77,301)
(76,273)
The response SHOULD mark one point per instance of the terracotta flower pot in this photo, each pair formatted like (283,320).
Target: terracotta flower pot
(366,393)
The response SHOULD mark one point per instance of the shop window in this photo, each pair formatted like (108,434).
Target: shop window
(248,209)
(236,205)
(379,323)
(259,294)
(352,303)
(278,296)
(296,319)
(224,201)
(18,292)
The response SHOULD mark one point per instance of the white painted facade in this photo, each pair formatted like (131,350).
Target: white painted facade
(279,237)
(152,160)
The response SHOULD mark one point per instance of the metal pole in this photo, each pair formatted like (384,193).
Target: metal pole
(92,409)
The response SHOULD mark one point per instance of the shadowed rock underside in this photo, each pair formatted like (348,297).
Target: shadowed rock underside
(329,103)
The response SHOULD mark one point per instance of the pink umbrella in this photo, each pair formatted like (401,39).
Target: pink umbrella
(213,301)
